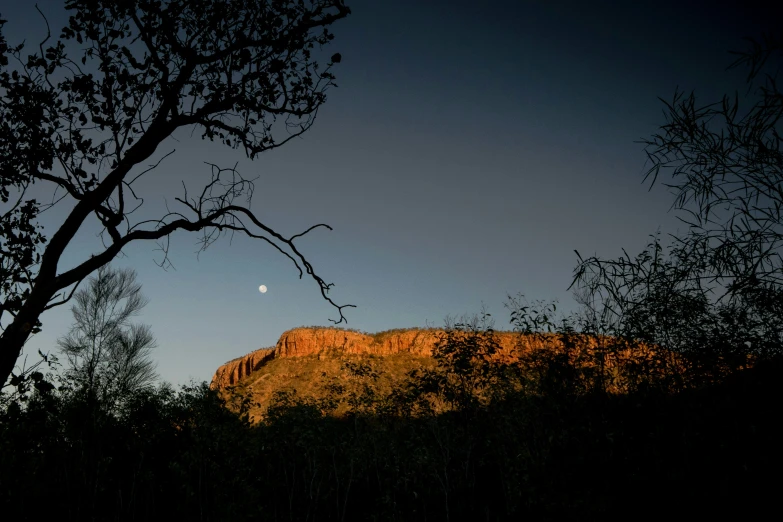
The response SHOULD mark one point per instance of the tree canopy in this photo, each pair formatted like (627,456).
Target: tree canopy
(108,355)
(718,291)
(83,113)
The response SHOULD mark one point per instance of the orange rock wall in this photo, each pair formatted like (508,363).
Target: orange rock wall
(315,341)
(230,373)
(301,342)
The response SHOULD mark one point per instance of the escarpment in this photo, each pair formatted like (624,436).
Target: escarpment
(230,373)
(334,343)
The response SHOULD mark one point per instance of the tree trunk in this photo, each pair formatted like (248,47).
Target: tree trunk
(16,334)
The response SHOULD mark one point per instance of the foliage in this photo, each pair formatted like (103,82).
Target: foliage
(466,373)
(107,354)
(84,114)
(717,292)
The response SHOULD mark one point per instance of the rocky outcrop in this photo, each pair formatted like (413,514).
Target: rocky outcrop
(230,373)
(603,354)
(301,342)
(334,341)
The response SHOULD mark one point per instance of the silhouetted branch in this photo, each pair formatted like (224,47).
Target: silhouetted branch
(241,71)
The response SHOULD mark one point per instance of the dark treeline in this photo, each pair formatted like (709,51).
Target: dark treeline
(471,439)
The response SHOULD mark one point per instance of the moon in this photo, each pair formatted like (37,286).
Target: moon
(262,289)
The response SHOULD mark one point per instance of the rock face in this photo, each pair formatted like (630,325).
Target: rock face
(334,342)
(303,342)
(230,373)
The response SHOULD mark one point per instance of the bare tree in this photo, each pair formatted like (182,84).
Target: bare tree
(239,71)
(719,287)
(108,355)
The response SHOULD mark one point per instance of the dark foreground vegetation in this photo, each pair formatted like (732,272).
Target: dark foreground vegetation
(471,439)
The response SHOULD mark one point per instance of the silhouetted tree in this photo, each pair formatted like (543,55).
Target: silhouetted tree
(109,357)
(87,116)
(718,290)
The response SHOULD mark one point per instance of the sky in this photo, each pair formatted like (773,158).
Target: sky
(469,149)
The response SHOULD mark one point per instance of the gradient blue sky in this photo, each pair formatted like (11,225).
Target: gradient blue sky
(469,149)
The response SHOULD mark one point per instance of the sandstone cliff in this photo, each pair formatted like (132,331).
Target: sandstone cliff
(230,373)
(329,343)
(326,342)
